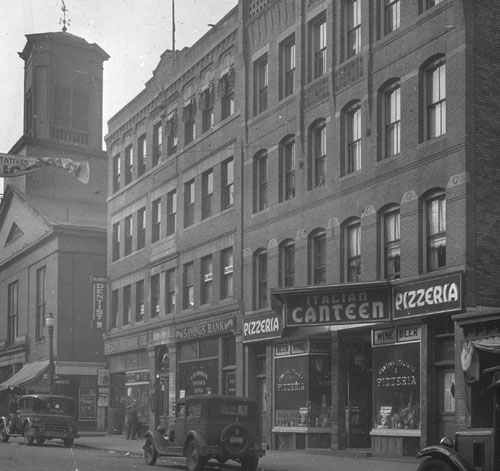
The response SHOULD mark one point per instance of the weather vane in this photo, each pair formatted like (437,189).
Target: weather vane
(63,21)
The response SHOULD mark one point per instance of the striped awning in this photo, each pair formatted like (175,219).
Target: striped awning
(29,373)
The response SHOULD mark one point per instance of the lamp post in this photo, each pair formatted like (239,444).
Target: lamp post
(50,321)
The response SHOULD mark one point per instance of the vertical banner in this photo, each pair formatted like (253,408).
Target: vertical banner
(99,291)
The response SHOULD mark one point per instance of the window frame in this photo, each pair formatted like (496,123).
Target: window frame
(227,183)
(128,226)
(317,254)
(354,138)
(171,212)
(129,164)
(115,307)
(139,301)
(391,232)
(318,154)
(261,297)
(41,283)
(141,228)
(116,172)
(171,130)
(353,27)
(154,284)
(260,181)
(353,251)
(141,155)
(156,220)
(261,84)
(391,15)
(227,270)
(189,202)
(287,183)
(436,236)
(392,120)
(157,143)
(127,306)
(318,46)
(12,312)
(435,103)
(287,263)
(115,241)
(188,285)
(206,280)
(287,67)
(170,291)
(207,193)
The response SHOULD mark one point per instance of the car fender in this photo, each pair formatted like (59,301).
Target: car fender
(159,441)
(446,454)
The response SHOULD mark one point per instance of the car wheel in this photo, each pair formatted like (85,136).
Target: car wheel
(194,461)
(4,436)
(40,441)
(150,453)
(68,442)
(250,464)
(28,437)
(435,464)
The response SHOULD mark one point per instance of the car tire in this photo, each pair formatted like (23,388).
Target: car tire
(250,464)
(150,453)
(435,464)
(4,436)
(194,461)
(68,442)
(40,441)
(29,439)
(230,450)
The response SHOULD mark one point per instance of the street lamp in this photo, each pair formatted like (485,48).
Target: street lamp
(51,321)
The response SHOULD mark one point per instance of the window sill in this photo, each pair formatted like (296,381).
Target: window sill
(395,432)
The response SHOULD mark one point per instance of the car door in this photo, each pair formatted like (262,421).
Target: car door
(180,425)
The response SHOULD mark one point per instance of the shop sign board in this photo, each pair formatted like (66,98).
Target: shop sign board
(99,290)
(262,327)
(205,329)
(125,344)
(398,334)
(434,295)
(338,305)
(137,377)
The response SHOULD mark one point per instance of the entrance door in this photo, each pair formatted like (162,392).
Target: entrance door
(446,402)
(261,399)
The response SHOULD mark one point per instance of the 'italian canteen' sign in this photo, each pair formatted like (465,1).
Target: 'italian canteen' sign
(338,305)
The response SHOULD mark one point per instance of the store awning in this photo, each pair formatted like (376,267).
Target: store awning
(29,373)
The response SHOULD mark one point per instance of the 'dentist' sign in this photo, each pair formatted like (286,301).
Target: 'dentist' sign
(338,305)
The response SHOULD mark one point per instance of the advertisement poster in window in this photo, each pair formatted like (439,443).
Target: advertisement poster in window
(200,377)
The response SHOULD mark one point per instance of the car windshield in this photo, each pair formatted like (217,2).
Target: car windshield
(54,406)
(228,409)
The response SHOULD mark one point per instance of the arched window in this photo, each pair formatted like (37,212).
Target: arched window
(435,98)
(352,238)
(317,153)
(434,207)
(260,277)
(287,162)
(287,263)
(260,181)
(317,257)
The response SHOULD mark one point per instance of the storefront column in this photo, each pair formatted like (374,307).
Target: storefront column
(337,429)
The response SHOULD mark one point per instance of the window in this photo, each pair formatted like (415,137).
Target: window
(129,163)
(227,193)
(353,249)
(40,303)
(114,308)
(116,241)
(260,181)
(157,143)
(189,203)
(392,249)
(317,149)
(353,13)
(261,81)
(392,15)
(207,193)
(227,273)
(393,121)
(206,279)
(116,172)
(139,301)
(188,286)
(171,132)
(156,221)
(127,245)
(12,313)
(170,291)
(226,91)
(171,211)
(287,67)
(318,47)
(260,273)
(353,118)
(287,169)
(287,264)
(155,296)
(436,232)
(317,247)
(189,118)
(141,155)
(436,100)
(127,291)
(432,3)
(207,98)
(141,228)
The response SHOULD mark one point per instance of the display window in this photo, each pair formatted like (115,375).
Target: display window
(396,380)
(87,403)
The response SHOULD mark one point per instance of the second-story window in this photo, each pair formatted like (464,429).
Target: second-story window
(353,249)
(436,232)
(207,194)
(127,308)
(189,118)
(139,301)
(393,121)
(171,212)
(170,291)
(226,92)
(287,169)
(116,172)
(227,181)
(287,263)
(189,203)
(261,82)
(353,150)
(206,102)
(141,228)
(226,284)
(392,15)
(141,155)
(317,152)
(171,132)
(157,143)
(392,248)
(129,163)
(318,47)
(317,248)
(156,220)
(260,181)
(260,271)
(127,245)
(353,36)
(155,295)
(116,241)
(436,100)
(188,286)
(114,308)
(206,280)
(287,67)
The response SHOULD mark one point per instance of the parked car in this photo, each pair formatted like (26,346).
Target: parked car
(42,417)
(209,426)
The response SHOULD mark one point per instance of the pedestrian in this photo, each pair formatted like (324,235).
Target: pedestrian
(132,421)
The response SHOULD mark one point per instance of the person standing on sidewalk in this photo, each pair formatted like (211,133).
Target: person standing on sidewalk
(132,421)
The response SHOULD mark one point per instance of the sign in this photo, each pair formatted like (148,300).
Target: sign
(103,398)
(103,377)
(262,327)
(204,329)
(137,377)
(125,344)
(99,290)
(338,305)
(399,334)
(434,295)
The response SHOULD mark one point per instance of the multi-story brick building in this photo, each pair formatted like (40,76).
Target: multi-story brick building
(53,228)
(363,147)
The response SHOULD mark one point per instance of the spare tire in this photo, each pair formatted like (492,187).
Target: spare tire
(235,440)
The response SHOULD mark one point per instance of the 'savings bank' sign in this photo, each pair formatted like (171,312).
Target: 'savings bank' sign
(338,305)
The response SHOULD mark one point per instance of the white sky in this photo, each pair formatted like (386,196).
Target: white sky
(133,32)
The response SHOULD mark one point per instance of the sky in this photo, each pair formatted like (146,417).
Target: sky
(133,32)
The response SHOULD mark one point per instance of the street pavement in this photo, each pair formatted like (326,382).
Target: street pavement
(303,460)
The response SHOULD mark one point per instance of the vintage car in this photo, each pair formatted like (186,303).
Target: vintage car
(209,426)
(42,417)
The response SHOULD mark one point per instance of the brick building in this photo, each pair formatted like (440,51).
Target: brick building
(53,228)
(331,161)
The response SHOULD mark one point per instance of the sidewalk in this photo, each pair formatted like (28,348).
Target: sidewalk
(310,460)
